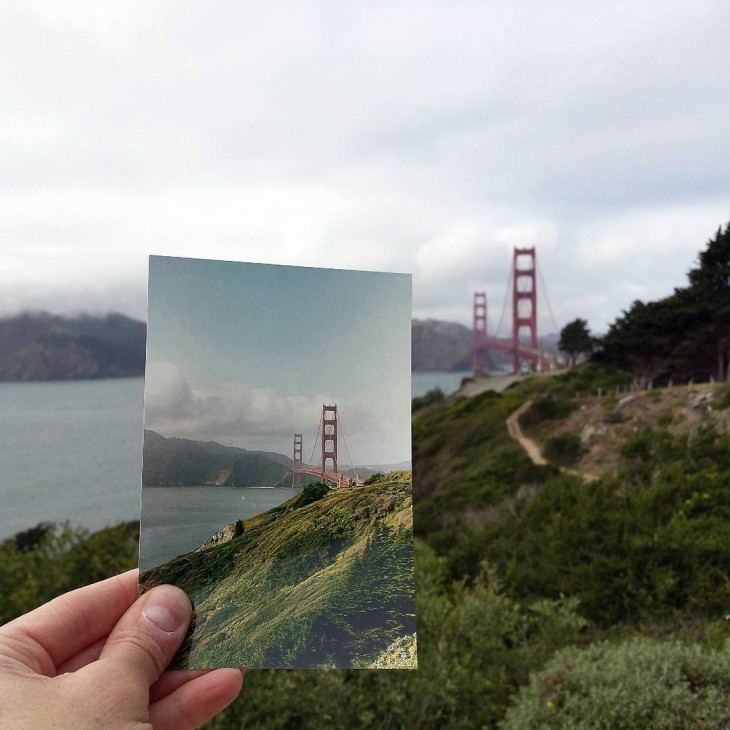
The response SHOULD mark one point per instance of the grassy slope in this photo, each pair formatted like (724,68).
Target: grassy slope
(466,468)
(646,544)
(327,584)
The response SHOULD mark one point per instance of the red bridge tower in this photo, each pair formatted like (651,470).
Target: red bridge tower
(479,352)
(329,437)
(524,304)
(297,467)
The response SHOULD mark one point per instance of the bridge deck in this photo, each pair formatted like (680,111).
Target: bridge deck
(340,480)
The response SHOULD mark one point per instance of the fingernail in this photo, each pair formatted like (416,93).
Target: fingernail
(168,608)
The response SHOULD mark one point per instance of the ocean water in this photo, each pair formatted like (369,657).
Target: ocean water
(176,520)
(449,383)
(70,451)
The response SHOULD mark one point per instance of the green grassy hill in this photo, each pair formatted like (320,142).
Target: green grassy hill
(321,584)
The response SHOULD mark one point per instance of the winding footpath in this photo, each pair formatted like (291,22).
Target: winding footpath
(531,448)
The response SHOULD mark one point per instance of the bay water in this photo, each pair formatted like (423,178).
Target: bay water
(449,383)
(72,451)
(176,520)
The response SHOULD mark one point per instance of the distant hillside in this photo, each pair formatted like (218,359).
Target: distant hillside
(183,462)
(41,346)
(446,346)
(442,346)
(321,583)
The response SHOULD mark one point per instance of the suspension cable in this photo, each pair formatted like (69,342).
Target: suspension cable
(349,456)
(316,441)
(544,289)
(504,304)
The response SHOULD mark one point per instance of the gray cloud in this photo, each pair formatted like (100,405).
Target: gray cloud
(423,137)
(260,418)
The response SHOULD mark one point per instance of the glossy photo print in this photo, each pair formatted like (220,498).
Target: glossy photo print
(276,484)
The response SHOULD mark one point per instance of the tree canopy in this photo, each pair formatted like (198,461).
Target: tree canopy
(575,339)
(685,335)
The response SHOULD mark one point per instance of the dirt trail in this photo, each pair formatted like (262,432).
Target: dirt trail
(531,448)
(513,426)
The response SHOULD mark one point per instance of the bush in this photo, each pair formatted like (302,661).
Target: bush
(547,409)
(636,683)
(311,493)
(39,564)
(435,395)
(721,399)
(564,450)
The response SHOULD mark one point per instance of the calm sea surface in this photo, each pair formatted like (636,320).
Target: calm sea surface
(176,520)
(421,383)
(73,450)
(70,451)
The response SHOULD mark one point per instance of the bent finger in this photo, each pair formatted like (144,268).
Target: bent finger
(146,638)
(172,679)
(57,631)
(197,701)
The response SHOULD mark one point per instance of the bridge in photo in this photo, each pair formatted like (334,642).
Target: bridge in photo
(327,471)
(522,344)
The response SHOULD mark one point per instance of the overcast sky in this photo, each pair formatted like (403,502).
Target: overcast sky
(414,136)
(247,354)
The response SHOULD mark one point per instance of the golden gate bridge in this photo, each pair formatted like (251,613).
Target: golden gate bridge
(327,470)
(523,345)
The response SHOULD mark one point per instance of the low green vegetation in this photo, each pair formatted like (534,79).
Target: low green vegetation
(324,580)
(563,450)
(636,683)
(47,560)
(435,395)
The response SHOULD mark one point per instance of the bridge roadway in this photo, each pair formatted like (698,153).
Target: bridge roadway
(524,352)
(339,480)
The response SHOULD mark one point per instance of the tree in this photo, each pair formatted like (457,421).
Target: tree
(575,339)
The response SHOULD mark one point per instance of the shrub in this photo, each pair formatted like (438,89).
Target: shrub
(435,395)
(311,493)
(721,399)
(564,450)
(39,564)
(547,409)
(636,683)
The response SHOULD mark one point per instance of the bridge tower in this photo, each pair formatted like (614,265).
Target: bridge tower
(524,303)
(296,467)
(329,437)
(479,352)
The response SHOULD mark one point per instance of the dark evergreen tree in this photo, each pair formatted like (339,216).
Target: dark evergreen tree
(575,339)
(685,335)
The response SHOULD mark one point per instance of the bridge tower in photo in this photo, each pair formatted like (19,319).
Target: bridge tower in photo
(524,304)
(297,466)
(329,438)
(479,352)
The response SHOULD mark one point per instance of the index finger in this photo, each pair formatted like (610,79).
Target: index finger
(46,637)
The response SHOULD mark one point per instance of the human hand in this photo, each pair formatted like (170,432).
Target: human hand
(95,658)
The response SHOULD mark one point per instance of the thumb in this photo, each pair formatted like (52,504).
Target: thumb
(147,636)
